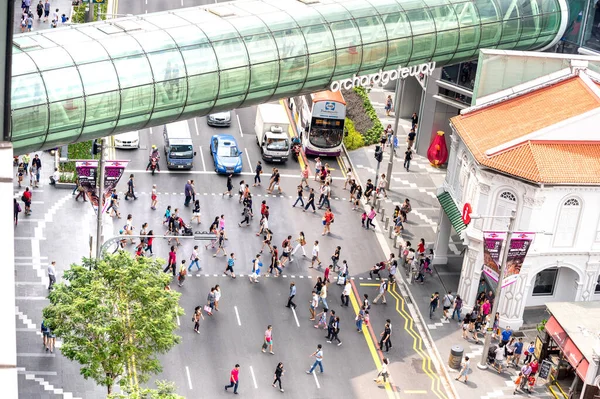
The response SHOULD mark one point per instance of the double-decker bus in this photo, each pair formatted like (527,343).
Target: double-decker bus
(320,122)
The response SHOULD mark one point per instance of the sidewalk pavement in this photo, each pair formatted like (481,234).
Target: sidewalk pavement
(64,7)
(420,186)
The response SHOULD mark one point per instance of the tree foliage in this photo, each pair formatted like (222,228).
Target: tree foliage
(114,317)
(164,390)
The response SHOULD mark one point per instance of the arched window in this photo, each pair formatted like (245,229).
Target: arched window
(506,202)
(568,220)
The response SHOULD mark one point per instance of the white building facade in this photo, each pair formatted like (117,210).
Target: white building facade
(563,262)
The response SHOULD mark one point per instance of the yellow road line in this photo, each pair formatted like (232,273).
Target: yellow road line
(291,133)
(417,344)
(341,166)
(369,285)
(370,344)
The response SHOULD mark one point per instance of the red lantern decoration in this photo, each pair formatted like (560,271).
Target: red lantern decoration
(438,152)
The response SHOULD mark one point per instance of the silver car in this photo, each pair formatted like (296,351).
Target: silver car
(219,119)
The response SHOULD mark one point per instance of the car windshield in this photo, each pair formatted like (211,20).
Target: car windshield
(181,151)
(277,144)
(227,151)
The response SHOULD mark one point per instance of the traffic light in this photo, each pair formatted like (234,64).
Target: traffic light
(378,153)
(96,147)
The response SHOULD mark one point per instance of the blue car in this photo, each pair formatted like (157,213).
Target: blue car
(226,154)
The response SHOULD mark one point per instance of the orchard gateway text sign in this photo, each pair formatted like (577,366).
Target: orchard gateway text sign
(383,77)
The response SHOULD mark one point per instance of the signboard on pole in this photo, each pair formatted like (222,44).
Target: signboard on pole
(517,250)
(87,170)
(113,170)
(492,247)
(519,245)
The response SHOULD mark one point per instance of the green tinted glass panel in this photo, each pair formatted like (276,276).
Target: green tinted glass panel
(106,77)
(62,84)
(293,70)
(28,122)
(27,90)
(261,48)
(51,58)
(264,76)
(66,115)
(133,71)
(199,59)
(85,52)
(203,88)
(22,64)
(231,53)
(102,107)
(137,101)
(122,46)
(399,39)
(154,41)
(234,82)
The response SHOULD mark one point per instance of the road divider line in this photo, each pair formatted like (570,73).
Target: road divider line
(314,373)
(187,371)
(178,321)
(196,125)
(209,172)
(150,128)
(239,125)
(296,317)
(248,158)
(237,315)
(202,157)
(253,377)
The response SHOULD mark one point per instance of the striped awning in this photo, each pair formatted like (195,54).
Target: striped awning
(452,211)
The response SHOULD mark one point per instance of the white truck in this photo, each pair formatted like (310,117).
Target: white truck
(271,127)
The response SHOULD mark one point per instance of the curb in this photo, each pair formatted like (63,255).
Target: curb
(418,317)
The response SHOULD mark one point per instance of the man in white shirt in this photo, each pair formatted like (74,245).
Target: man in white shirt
(315,255)
(382,289)
(55,176)
(346,292)
(51,274)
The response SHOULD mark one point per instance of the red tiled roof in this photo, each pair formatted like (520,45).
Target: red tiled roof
(535,160)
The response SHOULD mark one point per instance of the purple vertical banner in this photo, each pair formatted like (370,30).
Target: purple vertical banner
(517,251)
(87,170)
(113,170)
(492,246)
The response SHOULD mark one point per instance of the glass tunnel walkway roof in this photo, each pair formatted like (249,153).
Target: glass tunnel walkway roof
(86,81)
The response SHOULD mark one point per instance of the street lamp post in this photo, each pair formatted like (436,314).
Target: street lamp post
(99,214)
(505,247)
(397,101)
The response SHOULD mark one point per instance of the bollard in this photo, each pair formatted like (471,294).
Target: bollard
(456,355)
(387,222)
(397,242)
(390,231)
(378,204)
(383,216)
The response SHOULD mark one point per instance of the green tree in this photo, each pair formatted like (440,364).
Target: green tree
(114,317)
(164,390)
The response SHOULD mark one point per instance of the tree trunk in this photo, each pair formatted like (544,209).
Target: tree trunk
(109,389)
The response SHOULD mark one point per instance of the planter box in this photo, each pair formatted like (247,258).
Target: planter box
(67,186)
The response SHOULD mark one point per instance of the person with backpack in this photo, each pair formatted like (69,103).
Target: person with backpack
(433,303)
(447,302)
(457,307)
(383,287)
(182,274)
(385,338)
(407,158)
(16,210)
(40,10)
(370,217)
(256,265)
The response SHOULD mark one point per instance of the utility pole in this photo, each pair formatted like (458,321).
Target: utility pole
(505,247)
(397,100)
(90,14)
(99,214)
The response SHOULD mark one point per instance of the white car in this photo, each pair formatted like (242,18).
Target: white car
(127,140)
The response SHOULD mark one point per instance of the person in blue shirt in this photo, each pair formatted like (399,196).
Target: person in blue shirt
(506,334)
(518,351)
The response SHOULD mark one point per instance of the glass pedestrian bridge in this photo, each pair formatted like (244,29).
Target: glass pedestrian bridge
(86,81)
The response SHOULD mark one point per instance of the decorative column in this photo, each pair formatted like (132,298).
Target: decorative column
(512,303)
(469,279)
(591,278)
(442,239)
